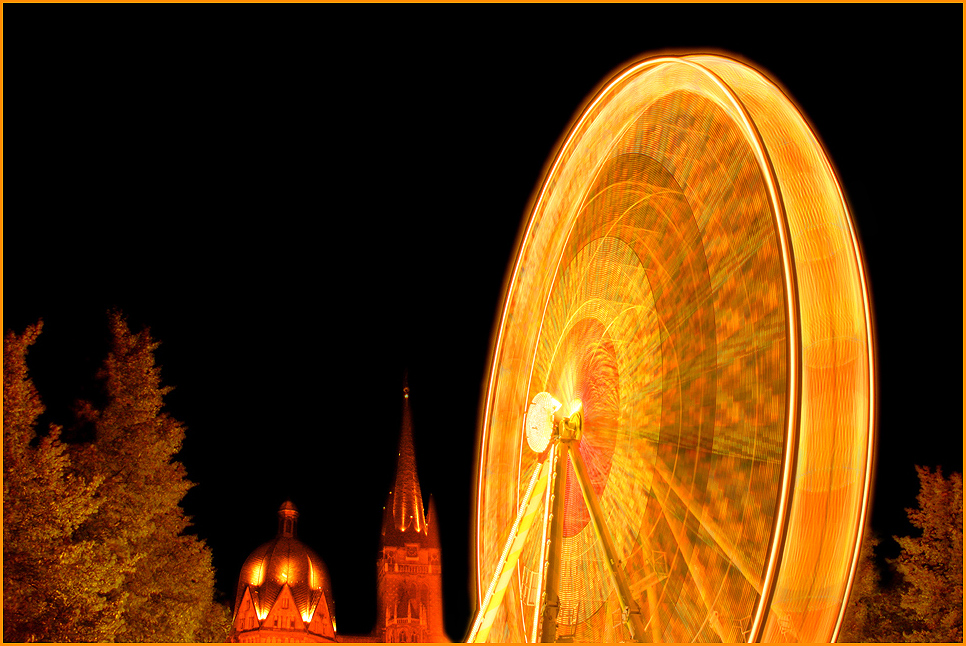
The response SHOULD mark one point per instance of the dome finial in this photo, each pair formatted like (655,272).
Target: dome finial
(287,517)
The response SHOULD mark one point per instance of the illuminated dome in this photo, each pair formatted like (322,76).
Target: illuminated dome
(284,585)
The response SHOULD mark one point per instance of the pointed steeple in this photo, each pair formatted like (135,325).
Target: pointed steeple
(409,575)
(406,497)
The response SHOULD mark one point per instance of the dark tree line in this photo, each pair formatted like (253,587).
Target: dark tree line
(918,596)
(95,546)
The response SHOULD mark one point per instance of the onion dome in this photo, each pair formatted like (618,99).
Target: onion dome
(286,562)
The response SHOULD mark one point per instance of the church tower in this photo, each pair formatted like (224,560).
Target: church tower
(410,584)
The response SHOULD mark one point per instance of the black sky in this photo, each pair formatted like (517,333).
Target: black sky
(304,202)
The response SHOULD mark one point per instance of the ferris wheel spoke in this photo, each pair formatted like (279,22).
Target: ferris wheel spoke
(725,547)
(697,576)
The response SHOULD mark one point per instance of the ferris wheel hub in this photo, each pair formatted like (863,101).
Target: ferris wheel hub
(542,428)
(571,428)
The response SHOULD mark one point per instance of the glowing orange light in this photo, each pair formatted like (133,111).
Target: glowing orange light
(258,574)
(691,281)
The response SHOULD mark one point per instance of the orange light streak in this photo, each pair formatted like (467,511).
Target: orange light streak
(701,292)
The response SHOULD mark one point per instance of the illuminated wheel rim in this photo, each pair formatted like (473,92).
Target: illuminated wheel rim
(691,275)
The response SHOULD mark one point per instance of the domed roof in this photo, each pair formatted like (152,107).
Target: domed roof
(285,560)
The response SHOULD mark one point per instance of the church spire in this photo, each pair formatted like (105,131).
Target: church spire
(409,575)
(407,498)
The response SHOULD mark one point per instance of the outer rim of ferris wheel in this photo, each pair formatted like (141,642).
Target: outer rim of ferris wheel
(709,150)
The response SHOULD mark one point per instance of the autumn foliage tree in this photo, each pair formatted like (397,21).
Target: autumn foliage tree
(168,580)
(921,597)
(871,613)
(55,584)
(932,564)
(95,541)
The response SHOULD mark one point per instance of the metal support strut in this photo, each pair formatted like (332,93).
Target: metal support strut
(551,609)
(563,444)
(570,430)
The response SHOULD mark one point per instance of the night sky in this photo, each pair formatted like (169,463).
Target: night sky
(307,202)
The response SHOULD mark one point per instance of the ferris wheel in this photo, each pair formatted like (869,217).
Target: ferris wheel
(677,431)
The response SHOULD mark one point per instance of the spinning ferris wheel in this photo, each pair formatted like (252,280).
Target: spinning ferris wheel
(677,433)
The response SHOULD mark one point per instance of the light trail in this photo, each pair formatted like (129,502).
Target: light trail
(690,271)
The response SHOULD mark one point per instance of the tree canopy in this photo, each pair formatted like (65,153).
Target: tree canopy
(95,540)
(920,598)
(870,615)
(932,564)
(55,585)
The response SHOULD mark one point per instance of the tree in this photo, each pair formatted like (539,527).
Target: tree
(54,585)
(932,564)
(872,612)
(94,538)
(168,582)
(216,625)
